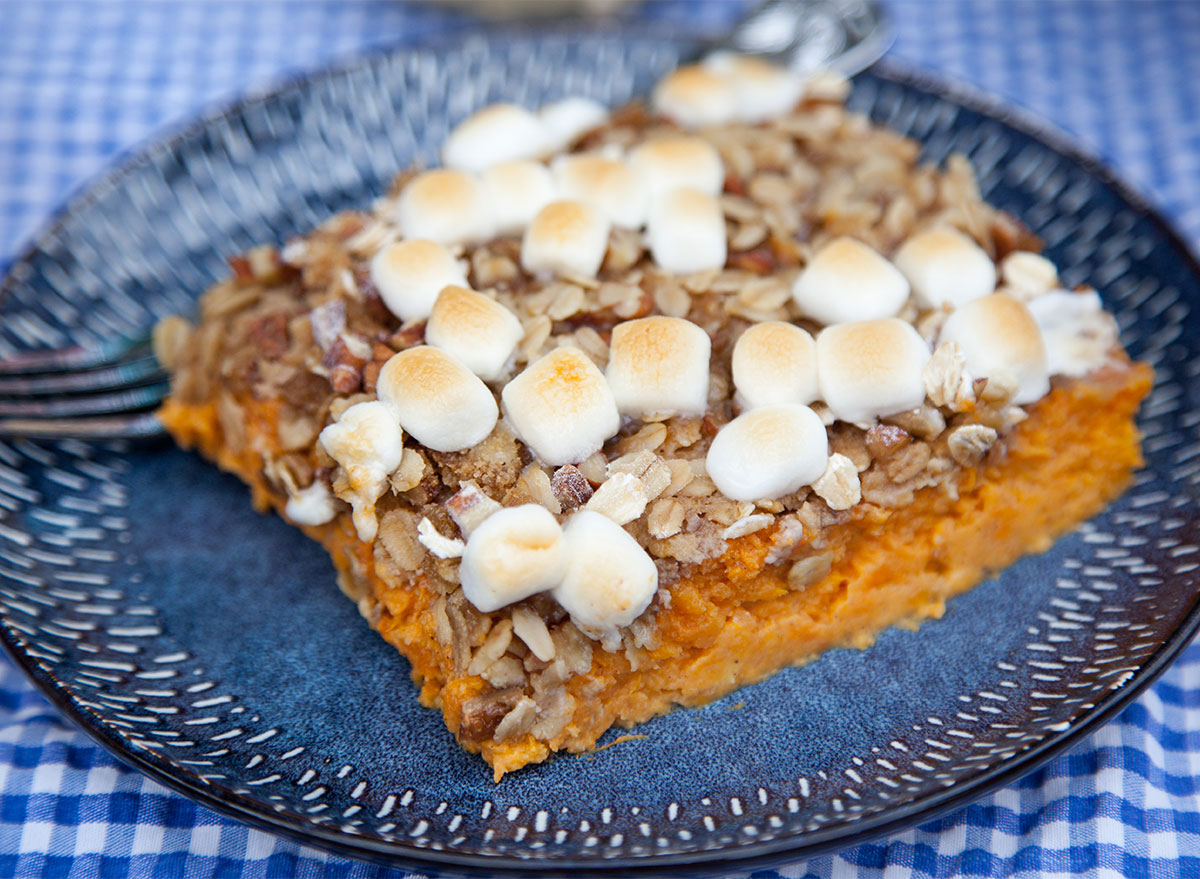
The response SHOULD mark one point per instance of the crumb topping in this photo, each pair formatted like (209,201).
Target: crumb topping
(831,337)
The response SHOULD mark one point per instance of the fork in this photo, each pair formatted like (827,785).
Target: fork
(104,392)
(109,391)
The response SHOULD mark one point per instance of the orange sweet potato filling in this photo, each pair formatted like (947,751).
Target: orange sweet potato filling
(735,620)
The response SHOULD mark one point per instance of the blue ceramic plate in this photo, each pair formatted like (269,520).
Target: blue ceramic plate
(209,646)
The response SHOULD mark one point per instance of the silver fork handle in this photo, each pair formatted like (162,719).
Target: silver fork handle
(805,35)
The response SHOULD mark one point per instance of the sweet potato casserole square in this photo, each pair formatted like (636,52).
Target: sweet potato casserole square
(622,410)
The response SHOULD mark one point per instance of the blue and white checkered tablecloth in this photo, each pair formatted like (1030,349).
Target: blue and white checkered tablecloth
(81,82)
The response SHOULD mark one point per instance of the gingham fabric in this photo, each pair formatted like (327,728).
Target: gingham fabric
(82,82)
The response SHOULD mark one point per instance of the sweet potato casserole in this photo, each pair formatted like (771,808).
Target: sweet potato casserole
(619,411)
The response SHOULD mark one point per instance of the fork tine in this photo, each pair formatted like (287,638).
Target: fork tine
(109,378)
(140,426)
(60,359)
(125,400)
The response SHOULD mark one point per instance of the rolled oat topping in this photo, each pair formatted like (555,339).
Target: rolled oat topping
(746,329)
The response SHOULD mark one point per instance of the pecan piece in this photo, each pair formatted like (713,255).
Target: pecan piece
(571,487)
(884,440)
(269,334)
(481,715)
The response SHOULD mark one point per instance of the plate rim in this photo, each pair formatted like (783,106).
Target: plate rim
(750,855)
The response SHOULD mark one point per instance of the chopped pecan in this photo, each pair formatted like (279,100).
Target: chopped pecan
(759,261)
(345,360)
(269,334)
(482,715)
(571,487)
(884,440)
(407,336)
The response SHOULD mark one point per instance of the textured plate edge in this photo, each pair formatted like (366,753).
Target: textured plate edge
(744,857)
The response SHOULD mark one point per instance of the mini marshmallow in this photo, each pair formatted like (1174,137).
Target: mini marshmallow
(696,97)
(848,281)
(945,267)
(478,331)
(610,579)
(367,443)
(612,186)
(410,274)
(871,368)
(495,134)
(997,334)
(437,543)
(671,162)
(561,407)
(774,363)
(762,90)
(1079,334)
(565,120)
(659,366)
(514,553)
(437,399)
(310,506)
(449,207)
(516,191)
(565,238)
(1028,274)
(768,453)
(686,231)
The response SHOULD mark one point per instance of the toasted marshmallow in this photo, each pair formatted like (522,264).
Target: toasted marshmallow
(495,134)
(768,452)
(566,238)
(610,579)
(997,334)
(762,90)
(310,506)
(514,553)
(848,281)
(615,188)
(410,274)
(1028,274)
(565,120)
(672,162)
(480,332)
(437,399)
(945,267)
(659,366)
(871,368)
(686,231)
(516,191)
(774,363)
(449,207)
(1079,334)
(367,443)
(561,407)
(696,97)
